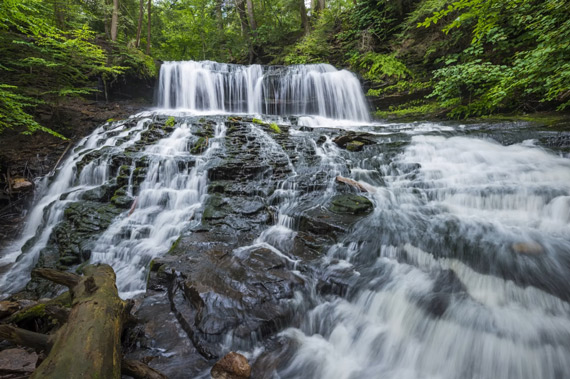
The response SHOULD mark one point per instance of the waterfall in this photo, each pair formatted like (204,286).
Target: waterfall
(316,89)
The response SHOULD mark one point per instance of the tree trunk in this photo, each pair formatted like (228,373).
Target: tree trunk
(304,18)
(251,16)
(219,17)
(89,344)
(59,14)
(148,29)
(240,6)
(115,20)
(245,29)
(139,25)
(318,5)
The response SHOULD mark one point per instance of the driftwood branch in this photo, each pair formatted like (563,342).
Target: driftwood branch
(139,370)
(353,183)
(23,337)
(60,277)
(61,157)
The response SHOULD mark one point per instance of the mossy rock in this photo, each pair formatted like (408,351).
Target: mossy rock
(351,204)
(170,122)
(354,146)
(200,146)
(124,202)
(213,208)
(275,128)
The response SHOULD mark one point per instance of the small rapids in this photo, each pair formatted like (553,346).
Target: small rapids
(458,269)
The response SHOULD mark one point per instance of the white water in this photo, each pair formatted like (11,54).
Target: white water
(165,203)
(49,210)
(317,89)
(164,208)
(497,196)
(445,207)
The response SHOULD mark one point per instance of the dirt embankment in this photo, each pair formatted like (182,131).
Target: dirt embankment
(25,158)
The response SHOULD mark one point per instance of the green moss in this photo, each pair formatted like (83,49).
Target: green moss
(354,146)
(413,110)
(200,146)
(37,311)
(275,128)
(258,121)
(170,122)
(547,119)
(171,251)
(351,204)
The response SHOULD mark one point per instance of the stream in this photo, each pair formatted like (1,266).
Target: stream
(221,212)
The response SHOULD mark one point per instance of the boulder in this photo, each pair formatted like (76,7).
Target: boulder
(527,248)
(353,141)
(17,363)
(351,204)
(231,366)
(21,184)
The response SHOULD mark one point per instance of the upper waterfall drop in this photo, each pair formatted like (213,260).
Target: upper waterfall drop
(316,89)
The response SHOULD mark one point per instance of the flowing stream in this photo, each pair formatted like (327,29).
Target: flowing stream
(461,270)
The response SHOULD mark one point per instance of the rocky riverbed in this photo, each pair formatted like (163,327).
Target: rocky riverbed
(277,221)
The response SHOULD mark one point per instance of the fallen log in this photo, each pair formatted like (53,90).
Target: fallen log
(89,344)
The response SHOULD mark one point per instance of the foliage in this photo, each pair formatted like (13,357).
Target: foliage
(518,57)
(48,52)
(13,114)
(414,109)
(378,67)
(478,56)
(471,88)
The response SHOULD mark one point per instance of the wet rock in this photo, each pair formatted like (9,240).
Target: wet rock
(17,363)
(353,183)
(21,184)
(199,145)
(157,339)
(354,146)
(72,240)
(7,308)
(220,291)
(102,193)
(527,248)
(447,286)
(353,141)
(231,366)
(351,204)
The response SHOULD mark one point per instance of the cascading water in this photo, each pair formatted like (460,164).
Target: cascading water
(317,89)
(446,290)
(460,270)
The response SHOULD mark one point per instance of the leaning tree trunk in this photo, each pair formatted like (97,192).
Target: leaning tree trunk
(89,344)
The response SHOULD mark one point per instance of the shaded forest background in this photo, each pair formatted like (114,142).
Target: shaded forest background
(417,57)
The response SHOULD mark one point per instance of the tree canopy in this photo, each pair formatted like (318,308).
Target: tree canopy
(463,57)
